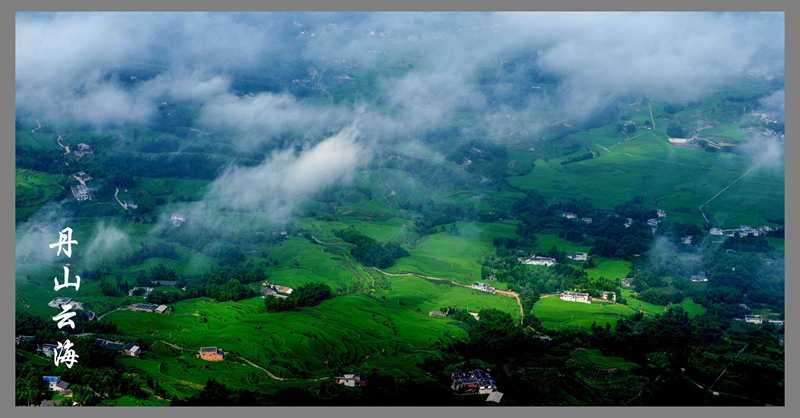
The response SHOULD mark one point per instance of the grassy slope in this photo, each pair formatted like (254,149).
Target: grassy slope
(666,176)
(342,331)
(558,314)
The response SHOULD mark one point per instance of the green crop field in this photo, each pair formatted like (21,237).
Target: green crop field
(33,189)
(610,269)
(558,314)
(548,241)
(687,304)
(609,362)
(454,257)
(342,331)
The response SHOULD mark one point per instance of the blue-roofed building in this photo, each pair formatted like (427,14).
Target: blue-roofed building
(114,346)
(54,383)
(469,384)
(474,381)
(460,375)
(144,307)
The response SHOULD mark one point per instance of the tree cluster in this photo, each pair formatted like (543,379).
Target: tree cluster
(369,251)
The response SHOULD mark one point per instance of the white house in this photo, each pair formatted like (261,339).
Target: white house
(538,261)
(580,257)
(754,319)
(715,231)
(569,215)
(587,220)
(653,222)
(699,277)
(177,218)
(608,295)
(57,302)
(80,192)
(576,297)
(351,380)
(483,287)
(661,213)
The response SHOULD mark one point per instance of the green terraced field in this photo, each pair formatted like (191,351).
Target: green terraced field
(609,362)
(667,177)
(343,331)
(454,257)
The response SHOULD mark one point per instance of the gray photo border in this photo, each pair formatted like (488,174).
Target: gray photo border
(7,17)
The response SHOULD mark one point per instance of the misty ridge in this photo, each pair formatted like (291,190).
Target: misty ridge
(258,84)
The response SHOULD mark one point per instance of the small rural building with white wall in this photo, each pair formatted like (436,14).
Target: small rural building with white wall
(483,287)
(576,297)
(538,261)
(211,354)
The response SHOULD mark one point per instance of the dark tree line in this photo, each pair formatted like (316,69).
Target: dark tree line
(307,295)
(369,251)
(226,283)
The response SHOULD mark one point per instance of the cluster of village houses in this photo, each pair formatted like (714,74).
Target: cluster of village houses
(742,231)
(476,381)
(585,297)
(78,306)
(83,191)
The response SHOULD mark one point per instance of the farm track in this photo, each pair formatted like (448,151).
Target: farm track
(500,292)
(726,188)
(66,147)
(248,362)
(118,309)
(697,166)
(124,206)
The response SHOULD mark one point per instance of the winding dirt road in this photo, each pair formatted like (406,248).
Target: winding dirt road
(124,206)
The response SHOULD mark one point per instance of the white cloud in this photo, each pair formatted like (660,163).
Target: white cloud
(286,179)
